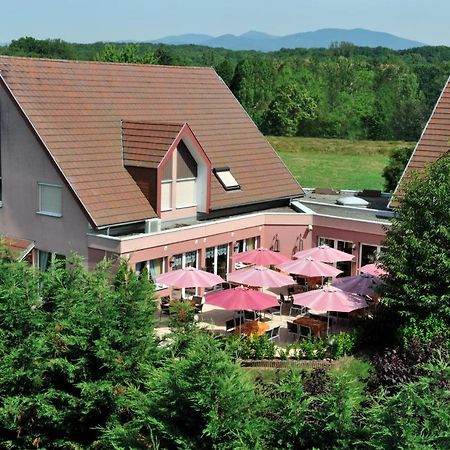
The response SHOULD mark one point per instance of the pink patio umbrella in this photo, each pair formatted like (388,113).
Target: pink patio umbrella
(261,256)
(328,299)
(241,298)
(189,277)
(363,284)
(309,267)
(325,254)
(260,276)
(373,269)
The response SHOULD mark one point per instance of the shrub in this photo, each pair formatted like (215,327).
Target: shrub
(182,314)
(342,344)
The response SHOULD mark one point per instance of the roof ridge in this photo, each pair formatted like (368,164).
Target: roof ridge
(80,61)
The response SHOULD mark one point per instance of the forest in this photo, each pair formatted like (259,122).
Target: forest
(340,92)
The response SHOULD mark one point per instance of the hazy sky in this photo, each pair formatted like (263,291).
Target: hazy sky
(96,20)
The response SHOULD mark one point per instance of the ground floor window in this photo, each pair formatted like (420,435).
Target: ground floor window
(343,246)
(154,268)
(217,260)
(46,259)
(245,245)
(180,261)
(368,254)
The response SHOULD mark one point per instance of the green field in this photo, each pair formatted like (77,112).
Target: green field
(336,163)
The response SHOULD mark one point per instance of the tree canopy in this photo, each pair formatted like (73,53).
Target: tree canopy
(417,251)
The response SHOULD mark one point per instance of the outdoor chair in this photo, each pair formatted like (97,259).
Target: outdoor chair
(276,311)
(198,308)
(164,307)
(275,333)
(301,310)
(293,329)
(230,325)
(285,301)
(304,331)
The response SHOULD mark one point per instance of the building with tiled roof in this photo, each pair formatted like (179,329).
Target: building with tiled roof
(159,165)
(432,145)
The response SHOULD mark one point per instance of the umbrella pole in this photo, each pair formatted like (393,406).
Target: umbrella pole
(328,322)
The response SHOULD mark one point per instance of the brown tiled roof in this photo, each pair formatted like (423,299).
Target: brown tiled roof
(146,143)
(77,109)
(19,247)
(433,144)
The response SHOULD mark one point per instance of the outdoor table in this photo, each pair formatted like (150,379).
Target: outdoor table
(316,326)
(252,327)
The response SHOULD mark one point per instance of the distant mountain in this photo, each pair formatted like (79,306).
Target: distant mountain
(196,39)
(255,40)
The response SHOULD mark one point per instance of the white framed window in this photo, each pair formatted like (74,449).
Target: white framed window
(46,259)
(50,199)
(226,178)
(166,195)
(343,246)
(154,268)
(368,253)
(181,261)
(186,193)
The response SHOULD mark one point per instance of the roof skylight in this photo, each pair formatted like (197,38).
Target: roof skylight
(226,178)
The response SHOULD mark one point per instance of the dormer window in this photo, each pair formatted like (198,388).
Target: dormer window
(226,179)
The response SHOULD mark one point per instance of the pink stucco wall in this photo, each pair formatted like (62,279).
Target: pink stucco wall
(24,164)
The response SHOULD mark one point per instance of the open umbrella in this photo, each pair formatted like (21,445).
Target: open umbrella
(363,284)
(373,269)
(326,254)
(189,277)
(260,276)
(261,256)
(309,267)
(241,298)
(328,299)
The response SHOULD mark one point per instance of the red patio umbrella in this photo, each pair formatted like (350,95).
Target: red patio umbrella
(325,254)
(373,269)
(241,298)
(261,256)
(189,277)
(260,276)
(363,284)
(309,267)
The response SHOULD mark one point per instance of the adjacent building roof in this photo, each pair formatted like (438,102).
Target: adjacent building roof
(433,144)
(19,247)
(77,109)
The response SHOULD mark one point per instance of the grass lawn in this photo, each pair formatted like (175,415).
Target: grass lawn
(336,163)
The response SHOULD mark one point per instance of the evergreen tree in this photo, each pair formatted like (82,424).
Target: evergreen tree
(71,344)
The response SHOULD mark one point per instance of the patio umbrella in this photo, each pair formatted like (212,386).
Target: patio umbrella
(260,276)
(261,256)
(325,254)
(373,269)
(241,298)
(328,299)
(189,277)
(309,267)
(363,284)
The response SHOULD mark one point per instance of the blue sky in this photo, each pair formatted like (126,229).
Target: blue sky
(109,20)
